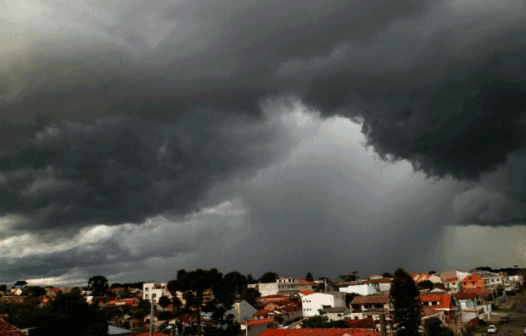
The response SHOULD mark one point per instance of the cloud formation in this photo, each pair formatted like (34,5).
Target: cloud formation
(116,112)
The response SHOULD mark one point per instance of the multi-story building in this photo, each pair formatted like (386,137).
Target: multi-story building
(282,286)
(314,304)
(153,291)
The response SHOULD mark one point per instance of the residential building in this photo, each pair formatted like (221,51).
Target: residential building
(472,281)
(242,311)
(419,277)
(268,289)
(453,284)
(364,289)
(439,305)
(470,306)
(282,286)
(314,304)
(255,327)
(152,290)
(491,279)
(288,310)
(370,306)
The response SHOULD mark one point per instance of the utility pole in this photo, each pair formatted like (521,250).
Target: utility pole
(151,316)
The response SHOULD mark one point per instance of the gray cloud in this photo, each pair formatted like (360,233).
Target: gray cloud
(125,170)
(164,101)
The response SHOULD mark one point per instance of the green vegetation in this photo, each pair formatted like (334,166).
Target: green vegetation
(67,314)
(407,309)
(433,327)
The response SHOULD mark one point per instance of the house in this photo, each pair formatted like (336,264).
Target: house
(255,328)
(491,279)
(470,307)
(453,284)
(288,310)
(336,313)
(282,286)
(305,285)
(472,281)
(363,289)
(370,306)
(152,290)
(320,332)
(314,304)
(242,311)
(271,298)
(419,277)
(439,305)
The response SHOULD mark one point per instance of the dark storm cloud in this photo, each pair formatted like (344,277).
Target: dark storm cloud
(438,83)
(125,170)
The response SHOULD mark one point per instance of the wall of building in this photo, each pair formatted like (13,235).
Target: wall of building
(359,289)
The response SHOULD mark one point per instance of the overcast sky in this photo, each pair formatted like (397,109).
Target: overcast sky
(139,138)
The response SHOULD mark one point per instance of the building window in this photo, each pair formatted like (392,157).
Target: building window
(146,296)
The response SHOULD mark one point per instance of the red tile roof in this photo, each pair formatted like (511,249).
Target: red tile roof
(452,279)
(465,296)
(477,291)
(307,292)
(8,329)
(383,298)
(444,301)
(367,323)
(256,322)
(319,332)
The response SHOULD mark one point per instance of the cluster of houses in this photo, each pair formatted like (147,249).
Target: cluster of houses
(456,298)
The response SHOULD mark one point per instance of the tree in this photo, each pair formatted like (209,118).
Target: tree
(99,285)
(250,295)
(387,275)
(407,308)
(34,291)
(426,284)
(70,312)
(193,284)
(164,301)
(349,277)
(20,284)
(268,277)
(433,327)
(309,277)
(3,287)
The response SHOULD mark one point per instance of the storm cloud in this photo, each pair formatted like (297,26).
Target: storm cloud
(116,112)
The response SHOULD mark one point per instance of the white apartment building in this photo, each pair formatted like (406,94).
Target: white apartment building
(359,289)
(314,304)
(152,290)
(282,286)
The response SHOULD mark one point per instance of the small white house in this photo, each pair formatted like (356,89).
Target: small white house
(314,304)
(359,289)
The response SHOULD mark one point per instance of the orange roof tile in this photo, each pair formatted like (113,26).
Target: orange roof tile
(444,300)
(383,298)
(255,322)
